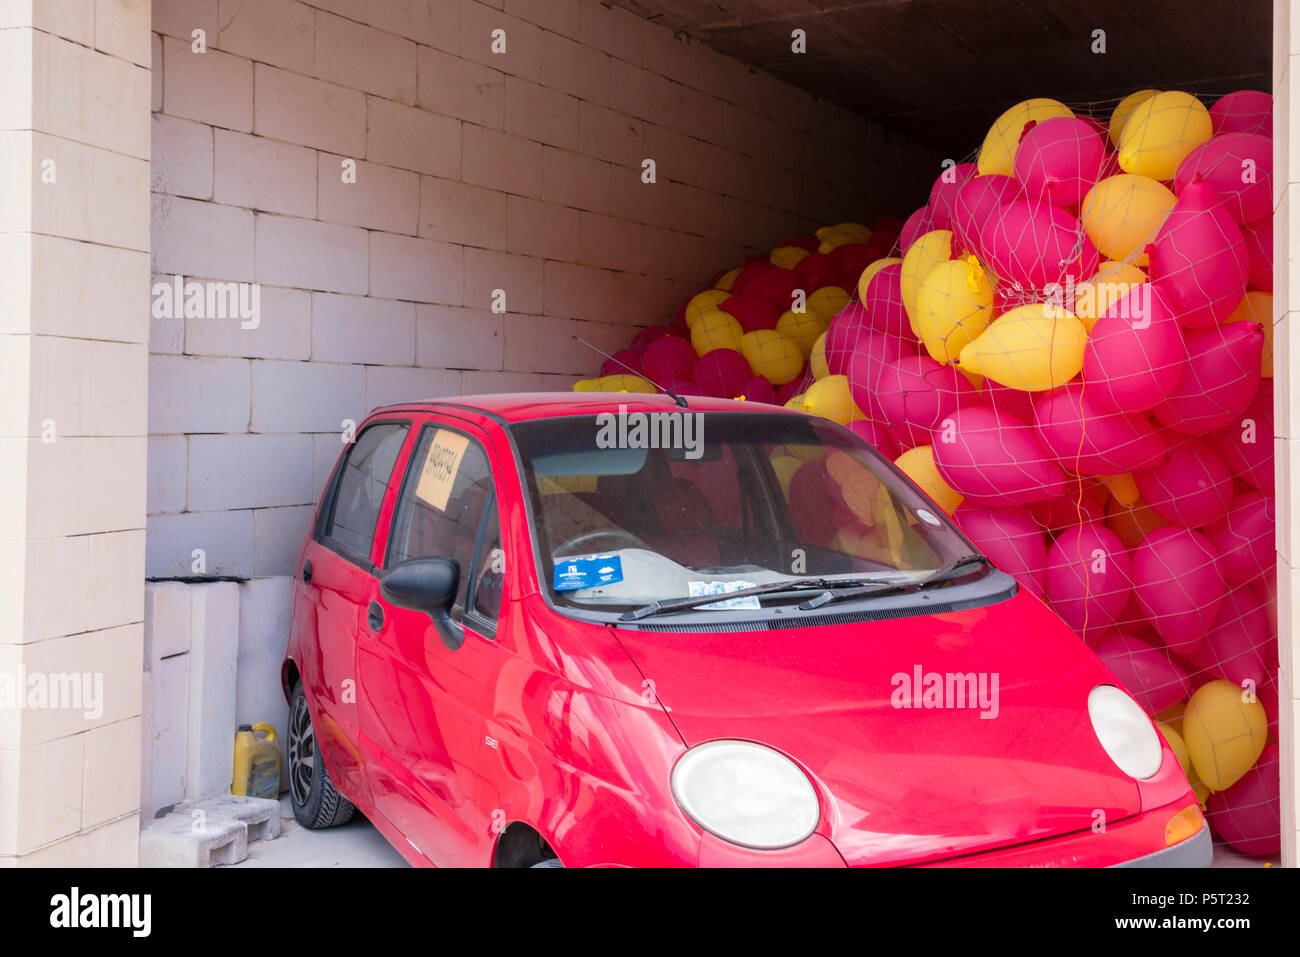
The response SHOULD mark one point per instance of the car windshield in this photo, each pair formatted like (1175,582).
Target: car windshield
(637,507)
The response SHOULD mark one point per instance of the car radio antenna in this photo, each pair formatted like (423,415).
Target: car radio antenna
(640,375)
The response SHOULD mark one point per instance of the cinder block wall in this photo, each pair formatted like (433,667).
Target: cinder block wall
(475,171)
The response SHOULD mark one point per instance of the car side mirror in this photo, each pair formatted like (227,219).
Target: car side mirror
(428,585)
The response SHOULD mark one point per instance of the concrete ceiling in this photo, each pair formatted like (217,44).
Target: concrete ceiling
(941,70)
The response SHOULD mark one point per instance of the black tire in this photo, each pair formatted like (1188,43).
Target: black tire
(549,862)
(316,802)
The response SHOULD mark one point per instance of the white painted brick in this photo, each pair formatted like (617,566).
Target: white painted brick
(182,157)
(98,195)
(60,384)
(155,72)
(61,502)
(265,611)
(573,180)
(700,115)
(388,386)
(454,337)
(541,344)
(309,112)
(523,56)
(168,727)
(582,292)
(560,16)
(55,599)
(325,454)
(575,68)
(211,87)
(696,210)
(111,772)
(422,270)
(122,29)
(310,255)
(118,404)
(461,213)
(352,9)
(724,77)
(225,537)
(611,243)
(461,88)
(609,336)
(277,536)
(304,397)
(249,471)
(502,161)
(72,21)
(280,32)
(677,58)
(167,473)
(208,240)
(380,197)
(676,156)
(166,621)
(166,335)
(433,24)
(637,201)
(264,174)
(648,298)
(670,254)
(197,394)
(605,134)
(89,97)
(179,18)
(538,113)
(413,139)
(214,651)
(488,383)
(51,773)
(361,329)
(520,277)
(283,330)
(116,566)
(363,58)
(616,31)
(542,229)
(641,93)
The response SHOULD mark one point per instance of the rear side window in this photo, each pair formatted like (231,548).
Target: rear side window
(447,502)
(361,486)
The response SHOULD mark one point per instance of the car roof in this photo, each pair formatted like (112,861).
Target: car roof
(521,406)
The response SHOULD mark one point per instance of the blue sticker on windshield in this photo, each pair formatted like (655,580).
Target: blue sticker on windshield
(589,571)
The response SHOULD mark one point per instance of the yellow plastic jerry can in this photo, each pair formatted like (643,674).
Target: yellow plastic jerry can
(257,761)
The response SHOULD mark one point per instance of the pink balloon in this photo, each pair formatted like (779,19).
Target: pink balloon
(1222,163)
(1059,159)
(1238,646)
(1245,111)
(816,270)
(1088,577)
(917,225)
(641,341)
(875,435)
(669,357)
(915,394)
(995,459)
(1220,379)
(848,325)
(1178,586)
(758,389)
(776,287)
(1033,244)
(1135,352)
(1248,815)
(1010,538)
(1089,439)
(1246,443)
(1018,402)
(1145,671)
(723,373)
(1199,258)
(872,352)
(1244,538)
(977,202)
(621,361)
(751,311)
(1191,487)
(1259,250)
(1079,504)
(945,190)
(884,302)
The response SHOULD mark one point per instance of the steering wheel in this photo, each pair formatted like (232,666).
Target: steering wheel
(615,538)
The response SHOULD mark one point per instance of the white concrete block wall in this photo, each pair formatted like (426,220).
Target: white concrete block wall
(474,171)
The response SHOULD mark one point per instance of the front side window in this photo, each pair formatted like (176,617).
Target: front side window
(360,490)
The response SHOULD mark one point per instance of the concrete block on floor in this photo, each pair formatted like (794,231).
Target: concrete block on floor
(209,832)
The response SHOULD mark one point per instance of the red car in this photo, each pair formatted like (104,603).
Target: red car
(620,630)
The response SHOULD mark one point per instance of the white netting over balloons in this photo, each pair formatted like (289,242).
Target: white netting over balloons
(1070,349)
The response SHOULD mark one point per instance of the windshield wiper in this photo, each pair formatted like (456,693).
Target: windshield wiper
(665,605)
(953,569)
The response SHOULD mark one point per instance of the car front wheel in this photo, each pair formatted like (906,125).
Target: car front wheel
(316,803)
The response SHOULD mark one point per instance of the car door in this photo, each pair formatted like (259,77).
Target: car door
(421,712)
(337,576)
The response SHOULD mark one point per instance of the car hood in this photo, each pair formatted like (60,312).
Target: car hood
(903,779)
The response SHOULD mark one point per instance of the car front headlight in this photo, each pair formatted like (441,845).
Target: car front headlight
(1125,732)
(746,794)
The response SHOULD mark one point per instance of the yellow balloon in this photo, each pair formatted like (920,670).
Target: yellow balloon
(1122,213)
(1161,132)
(1225,735)
(715,330)
(826,303)
(953,306)
(802,328)
(998,154)
(775,357)
(787,257)
(1034,348)
(796,402)
(926,253)
(624,383)
(1257,306)
(1176,744)
(841,234)
(726,279)
(817,358)
(702,303)
(830,398)
(1113,281)
(870,271)
(586,385)
(918,465)
(785,466)
(1124,109)
(1123,488)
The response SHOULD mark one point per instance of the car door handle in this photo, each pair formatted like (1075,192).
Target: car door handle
(375,615)
(306,571)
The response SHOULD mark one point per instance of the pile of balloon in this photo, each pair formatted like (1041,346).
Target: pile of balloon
(1069,347)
